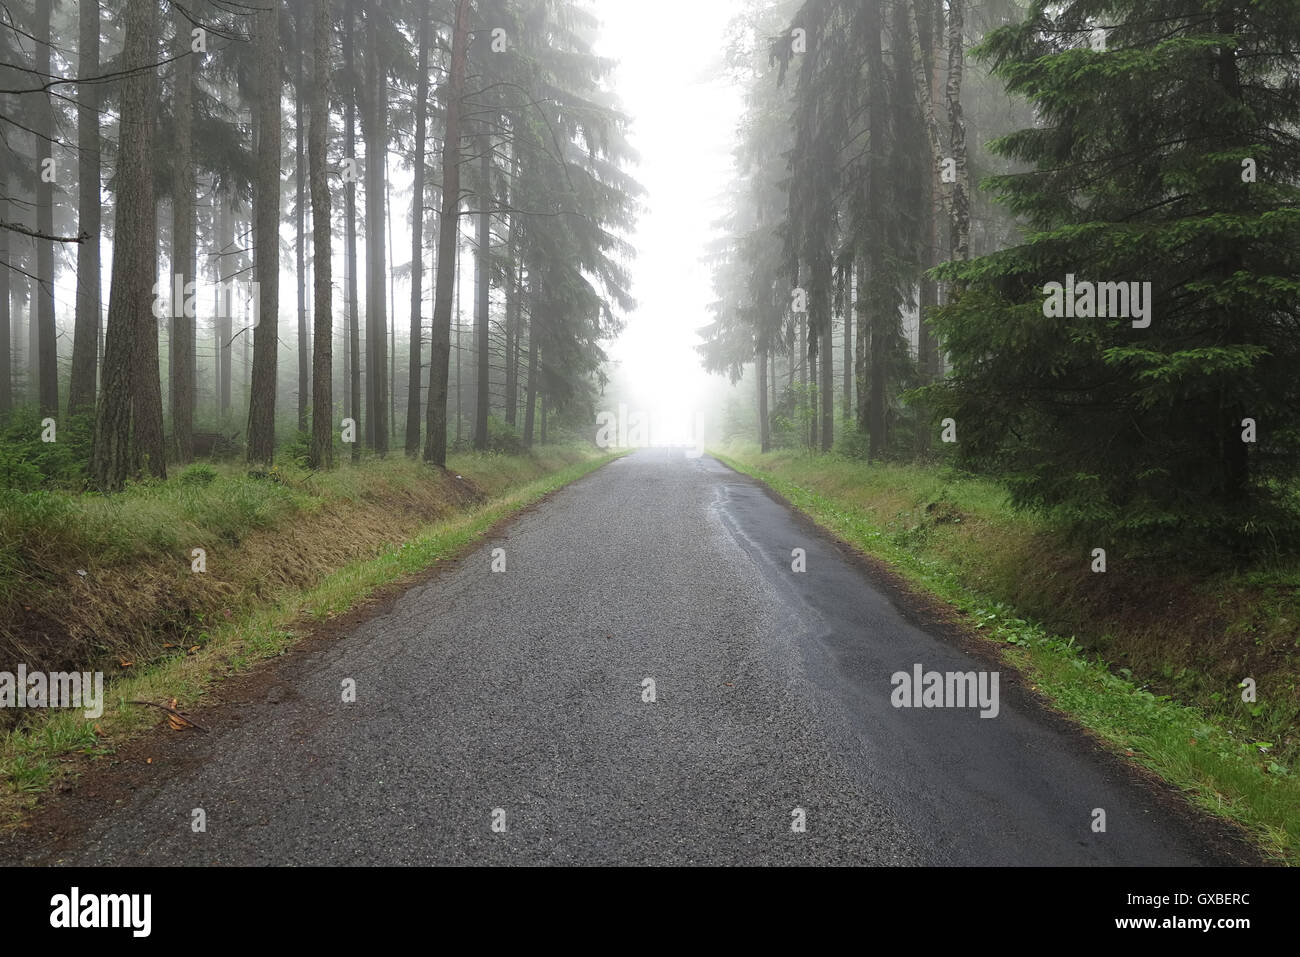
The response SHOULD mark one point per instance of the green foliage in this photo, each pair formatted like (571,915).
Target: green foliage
(297,449)
(504,437)
(28,463)
(198,475)
(1137,176)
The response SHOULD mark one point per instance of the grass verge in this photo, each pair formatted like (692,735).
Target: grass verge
(955,537)
(47,747)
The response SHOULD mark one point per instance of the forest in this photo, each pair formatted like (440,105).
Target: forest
(1050,242)
(381,320)
(146,135)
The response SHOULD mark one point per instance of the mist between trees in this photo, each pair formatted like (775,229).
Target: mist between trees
(329,158)
(943,210)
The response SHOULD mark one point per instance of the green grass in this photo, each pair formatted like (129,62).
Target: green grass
(35,756)
(951,535)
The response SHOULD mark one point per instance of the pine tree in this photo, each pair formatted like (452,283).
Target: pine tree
(322,375)
(85,341)
(134,255)
(1162,407)
(261,406)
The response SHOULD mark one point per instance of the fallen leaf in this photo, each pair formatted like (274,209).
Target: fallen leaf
(124,663)
(148,760)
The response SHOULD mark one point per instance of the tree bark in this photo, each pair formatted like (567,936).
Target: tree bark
(373,123)
(227,267)
(85,337)
(961,189)
(6,316)
(134,252)
(513,297)
(322,379)
(847,414)
(435,449)
(484,269)
(530,398)
(822,280)
(184,263)
(261,406)
(304,343)
(46,366)
(392,307)
(459,347)
(876,118)
(811,357)
(417,247)
(352,399)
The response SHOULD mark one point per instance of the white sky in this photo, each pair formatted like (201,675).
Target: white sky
(683,127)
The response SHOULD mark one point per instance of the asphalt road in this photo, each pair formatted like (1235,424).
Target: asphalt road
(522,691)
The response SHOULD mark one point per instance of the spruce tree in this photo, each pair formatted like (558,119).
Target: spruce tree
(1166,153)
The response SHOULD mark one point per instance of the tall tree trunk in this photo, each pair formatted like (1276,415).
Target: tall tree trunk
(801,355)
(246,349)
(435,449)
(790,356)
(460,350)
(824,342)
(875,294)
(46,366)
(530,398)
(304,343)
(352,400)
(134,251)
(923,24)
(33,327)
(374,126)
(261,406)
(392,306)
(862,347)
(417,247)
(775,387)
(227,268)
(149,441)
(514,291)
(322,384)
(928,346)
(6,315)
(764,436)
(811,358)
(961,189)
(849,299)
(484,270)
(85,336)
(828,386)
(184,261)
